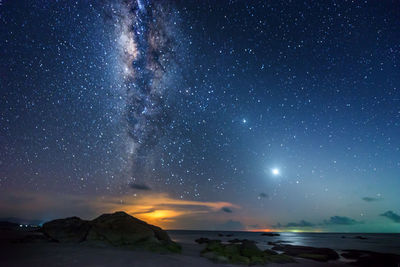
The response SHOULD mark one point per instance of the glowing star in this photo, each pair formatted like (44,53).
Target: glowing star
(275,171)
(244,120)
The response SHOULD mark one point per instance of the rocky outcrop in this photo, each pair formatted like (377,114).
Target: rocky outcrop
(245,252)
(317,254)
(69,230)
(369,258)
(270,234)
(116,229)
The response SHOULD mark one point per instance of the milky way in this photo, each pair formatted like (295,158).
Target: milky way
(148,57)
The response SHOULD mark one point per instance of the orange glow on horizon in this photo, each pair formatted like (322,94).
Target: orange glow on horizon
(262,230)
(162,210)
(158,217)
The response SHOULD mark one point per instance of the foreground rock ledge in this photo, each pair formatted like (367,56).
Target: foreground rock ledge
(240,252)
(116,229)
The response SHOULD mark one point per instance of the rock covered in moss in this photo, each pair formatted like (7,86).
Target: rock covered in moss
(243,252)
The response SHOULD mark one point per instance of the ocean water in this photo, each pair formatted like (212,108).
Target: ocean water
(386,243)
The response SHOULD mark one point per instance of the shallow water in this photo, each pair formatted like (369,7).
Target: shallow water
(386,243)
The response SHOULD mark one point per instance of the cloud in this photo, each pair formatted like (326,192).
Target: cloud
(391,216)
(370,199)
(155,208)
(139,187)
(262,195)
(227,210)
(340,220)
(159,209)
(302,223)
(230,226)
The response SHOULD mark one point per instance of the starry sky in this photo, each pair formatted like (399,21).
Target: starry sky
(235,115)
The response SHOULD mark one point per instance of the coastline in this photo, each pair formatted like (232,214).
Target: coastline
(36,253)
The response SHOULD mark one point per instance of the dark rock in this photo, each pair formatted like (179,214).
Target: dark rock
(360,237)
(270,252)
(318,254)
(121,229)
(71,229)
(202,240)
(235,240)
(369,258)
(278,242)
(270,234)
(117,229)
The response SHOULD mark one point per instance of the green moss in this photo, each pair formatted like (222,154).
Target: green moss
(239,259)
(231,249)
(221,259)
(280,258)
(257,260)
(174,248)
(242,254)
(270,252)
(252,253)
(215,246)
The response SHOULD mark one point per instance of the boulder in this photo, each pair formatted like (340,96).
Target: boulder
(121,229)
(72,230)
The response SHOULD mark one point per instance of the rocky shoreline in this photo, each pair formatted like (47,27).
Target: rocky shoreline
(140,244)
(246,252)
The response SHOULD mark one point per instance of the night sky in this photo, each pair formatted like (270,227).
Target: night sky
(236,115)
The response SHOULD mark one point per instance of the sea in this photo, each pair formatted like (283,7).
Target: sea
(384,243)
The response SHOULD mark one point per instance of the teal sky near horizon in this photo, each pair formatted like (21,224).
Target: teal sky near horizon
(226,115)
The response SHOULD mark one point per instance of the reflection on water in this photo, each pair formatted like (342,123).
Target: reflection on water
(389,243)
